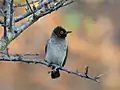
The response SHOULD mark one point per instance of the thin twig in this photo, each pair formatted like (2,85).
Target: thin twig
(26,14)
(69,2)
(5,19)
(22,16)
(27,54)
(11,16)
(5,28)
(28,5)
(40,61)
(40,12)
(38,8)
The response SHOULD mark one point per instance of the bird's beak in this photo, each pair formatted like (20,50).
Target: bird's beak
(68,32)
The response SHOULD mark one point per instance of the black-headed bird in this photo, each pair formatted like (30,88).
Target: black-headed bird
(56,49)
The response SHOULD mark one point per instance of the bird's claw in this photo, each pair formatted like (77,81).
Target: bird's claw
(53,70)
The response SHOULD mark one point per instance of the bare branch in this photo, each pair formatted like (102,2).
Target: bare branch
(28,5)
(40,61)
(11,17)
(5,28)
(86,70)
(8,16)
(40,11)
(31,54)
(22,16)
(13,31)
(28,13)
(5,19)
(7,7)
(65,3)
(69,2)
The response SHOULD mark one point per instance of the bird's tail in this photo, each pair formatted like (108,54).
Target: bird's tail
(55,74)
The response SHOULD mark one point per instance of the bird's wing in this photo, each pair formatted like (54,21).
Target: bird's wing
(46,47)
(65,57)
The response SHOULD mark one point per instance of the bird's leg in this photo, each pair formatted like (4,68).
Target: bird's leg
(54,68)
(50,65)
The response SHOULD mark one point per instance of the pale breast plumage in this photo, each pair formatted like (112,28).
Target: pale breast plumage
(56,51)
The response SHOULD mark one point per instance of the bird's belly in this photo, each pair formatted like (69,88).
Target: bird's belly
(55,56)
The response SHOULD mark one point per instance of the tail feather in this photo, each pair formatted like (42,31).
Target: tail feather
(55,74)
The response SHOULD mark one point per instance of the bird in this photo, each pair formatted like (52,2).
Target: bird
(56,49)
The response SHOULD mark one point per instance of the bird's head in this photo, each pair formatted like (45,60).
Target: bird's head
(60,32)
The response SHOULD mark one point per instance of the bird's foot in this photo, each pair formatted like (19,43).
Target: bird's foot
(54,69)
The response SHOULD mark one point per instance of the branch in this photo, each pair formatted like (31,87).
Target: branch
(14,31)
(8,25)
(20,17)
(42,13)
(11,16)
(5,18)
(42,10)
(29,7)
(26,14)
(8,16)
(20,58)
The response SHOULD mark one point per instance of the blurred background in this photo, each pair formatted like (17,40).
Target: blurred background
(94,42)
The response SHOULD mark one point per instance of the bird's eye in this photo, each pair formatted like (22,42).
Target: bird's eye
(61,32)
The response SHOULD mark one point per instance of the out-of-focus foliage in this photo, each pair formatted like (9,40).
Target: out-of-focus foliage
(88,23)
(71,20)
(94,42)
(19,1)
